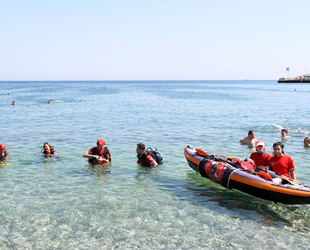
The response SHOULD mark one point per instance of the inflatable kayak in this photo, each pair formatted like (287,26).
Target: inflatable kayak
(233,173)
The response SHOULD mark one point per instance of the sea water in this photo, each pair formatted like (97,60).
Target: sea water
(65,203)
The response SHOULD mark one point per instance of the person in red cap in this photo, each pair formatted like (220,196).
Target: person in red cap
(3,153)
(260,157)
(99,154)
(284,133)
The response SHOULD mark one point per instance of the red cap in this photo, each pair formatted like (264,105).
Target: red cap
(100,142)
(2,146)
(285,131)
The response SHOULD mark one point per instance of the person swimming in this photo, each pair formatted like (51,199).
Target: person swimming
(284,133)
(250,139)
(48,150)
(307,142)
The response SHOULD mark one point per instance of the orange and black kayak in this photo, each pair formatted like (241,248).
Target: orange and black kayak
(228,172)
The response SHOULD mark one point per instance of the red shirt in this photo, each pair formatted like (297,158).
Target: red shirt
(260,159)
(282,165)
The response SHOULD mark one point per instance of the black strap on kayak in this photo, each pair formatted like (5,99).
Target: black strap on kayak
(201,165)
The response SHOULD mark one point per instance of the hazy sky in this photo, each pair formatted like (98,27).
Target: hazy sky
(153,39)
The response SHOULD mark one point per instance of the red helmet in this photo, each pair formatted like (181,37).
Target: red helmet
(100,142)
(2,146)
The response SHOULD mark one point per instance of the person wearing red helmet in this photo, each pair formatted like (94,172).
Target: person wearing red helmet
(99,154)
(3,153)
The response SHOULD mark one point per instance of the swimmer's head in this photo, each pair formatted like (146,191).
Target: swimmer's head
(251,133)
(284,132)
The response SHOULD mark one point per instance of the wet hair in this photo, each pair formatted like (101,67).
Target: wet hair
(141,146)
(306,139)
(51,147)
(279,144)
(251,132)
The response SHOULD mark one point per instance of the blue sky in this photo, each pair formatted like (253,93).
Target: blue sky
(153,40)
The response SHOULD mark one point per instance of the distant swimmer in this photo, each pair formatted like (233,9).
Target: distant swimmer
(8,93)
(3,153)
(50,101)
(99,154)
(13,103)
(284,133)
(260,157)
(48,150)
(291,130)
(250,139)
(307,142)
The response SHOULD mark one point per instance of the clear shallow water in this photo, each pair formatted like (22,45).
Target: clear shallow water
(67,204)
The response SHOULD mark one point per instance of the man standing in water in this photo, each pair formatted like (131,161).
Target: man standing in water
(250,139)
(143,158)
(99,154)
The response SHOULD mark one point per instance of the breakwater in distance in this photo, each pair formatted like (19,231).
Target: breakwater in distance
(302,79)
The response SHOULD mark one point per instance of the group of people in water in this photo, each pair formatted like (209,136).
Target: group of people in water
(279,162)
(96,155)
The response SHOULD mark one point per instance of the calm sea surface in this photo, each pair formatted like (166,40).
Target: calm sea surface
(67,204)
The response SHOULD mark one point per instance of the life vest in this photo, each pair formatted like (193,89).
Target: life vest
(248,165)
(4,155)
(142,159)
(103,153)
